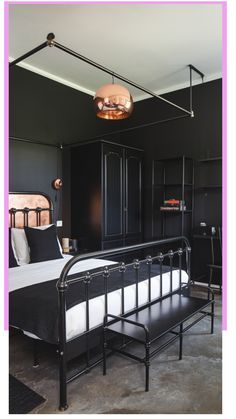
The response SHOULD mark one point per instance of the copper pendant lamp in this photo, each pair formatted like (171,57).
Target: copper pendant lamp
(113,101)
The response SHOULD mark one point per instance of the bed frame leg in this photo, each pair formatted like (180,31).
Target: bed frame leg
(35,354)
(212,316)
(63,385)
(147,364)
(62,288)
(104,352)
(180,341)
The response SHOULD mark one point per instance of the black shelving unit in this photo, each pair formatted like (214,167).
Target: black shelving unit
(172,178)
(208,192)
(207,247)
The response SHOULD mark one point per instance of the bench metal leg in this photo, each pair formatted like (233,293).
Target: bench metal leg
(209,283)
(104,352)
(212,316)
(180,341)
(35,354)
(147,364)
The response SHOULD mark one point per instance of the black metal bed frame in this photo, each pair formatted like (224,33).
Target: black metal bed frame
(71,348)
(83,343)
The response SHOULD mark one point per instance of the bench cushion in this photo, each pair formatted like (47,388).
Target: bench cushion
(160,317)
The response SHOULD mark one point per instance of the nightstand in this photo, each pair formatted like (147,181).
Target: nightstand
(76,252)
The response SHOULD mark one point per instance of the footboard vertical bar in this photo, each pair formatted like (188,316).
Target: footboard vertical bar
(136,267)
(149,263)
(147,364)
(122,271)
(86,283)
(104,346)
(180,253)
(62,288)
(171,255)
(160,259)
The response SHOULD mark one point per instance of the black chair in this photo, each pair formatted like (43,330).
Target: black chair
(216,258)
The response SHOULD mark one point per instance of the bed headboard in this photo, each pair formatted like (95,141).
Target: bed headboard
(29,209)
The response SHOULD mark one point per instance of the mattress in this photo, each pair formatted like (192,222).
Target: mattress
(31,274)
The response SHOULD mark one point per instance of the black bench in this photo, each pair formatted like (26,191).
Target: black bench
(154,321)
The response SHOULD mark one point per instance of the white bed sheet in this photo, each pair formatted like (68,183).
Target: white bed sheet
(35,273)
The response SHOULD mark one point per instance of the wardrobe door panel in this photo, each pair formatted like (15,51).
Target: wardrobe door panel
(112,192)
(133,193)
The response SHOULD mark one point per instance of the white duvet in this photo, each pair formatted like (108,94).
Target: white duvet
(23,276)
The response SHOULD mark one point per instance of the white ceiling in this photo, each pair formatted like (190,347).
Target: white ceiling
(150,44)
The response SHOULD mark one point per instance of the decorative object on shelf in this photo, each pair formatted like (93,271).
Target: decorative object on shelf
(73,245)
(65,244)
(57,184)
(113,101)
(173,205)
(213,230)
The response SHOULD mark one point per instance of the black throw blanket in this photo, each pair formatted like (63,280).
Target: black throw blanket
(34,308)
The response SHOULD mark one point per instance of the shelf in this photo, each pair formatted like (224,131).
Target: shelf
(178,184)
(209,187)
(209,159)
(176,211)
(206,236)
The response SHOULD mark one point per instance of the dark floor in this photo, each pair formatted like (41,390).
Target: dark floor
(192,385)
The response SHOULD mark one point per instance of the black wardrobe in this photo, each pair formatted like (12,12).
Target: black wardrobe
(106,207)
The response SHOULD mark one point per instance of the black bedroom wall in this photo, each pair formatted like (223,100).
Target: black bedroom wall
(32,168)
(199,137)
(47,111)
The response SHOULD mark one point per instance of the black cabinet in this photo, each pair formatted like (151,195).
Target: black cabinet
(106,181)
(172,179)
(113,192)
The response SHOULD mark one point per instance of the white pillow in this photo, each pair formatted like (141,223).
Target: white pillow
(20,245)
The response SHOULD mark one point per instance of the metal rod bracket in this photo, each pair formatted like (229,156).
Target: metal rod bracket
(50,39)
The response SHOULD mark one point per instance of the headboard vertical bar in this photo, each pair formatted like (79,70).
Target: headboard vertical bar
(29,205)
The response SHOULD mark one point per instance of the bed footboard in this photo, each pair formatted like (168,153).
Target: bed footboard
(181,254)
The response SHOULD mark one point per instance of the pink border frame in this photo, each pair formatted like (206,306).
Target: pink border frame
(224,134)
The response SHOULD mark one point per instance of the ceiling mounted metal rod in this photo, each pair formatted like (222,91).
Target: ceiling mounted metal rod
(112,133)
(28,54)
(191,90)
(51,42)
(118,76)
(192,67)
